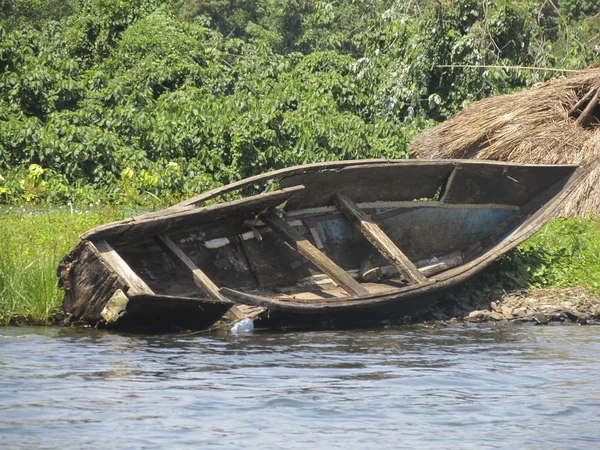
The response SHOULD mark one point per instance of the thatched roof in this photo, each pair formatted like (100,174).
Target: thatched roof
(555,122)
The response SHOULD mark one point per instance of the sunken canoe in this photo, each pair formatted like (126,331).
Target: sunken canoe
(346,242)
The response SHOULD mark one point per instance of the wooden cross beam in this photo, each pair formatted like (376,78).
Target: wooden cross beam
(136,284)
(200,278)
(379,239)
(313,254)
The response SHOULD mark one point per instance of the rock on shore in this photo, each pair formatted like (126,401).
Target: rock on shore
(538,306)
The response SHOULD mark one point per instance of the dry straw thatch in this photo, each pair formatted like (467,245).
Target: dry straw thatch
(556,122)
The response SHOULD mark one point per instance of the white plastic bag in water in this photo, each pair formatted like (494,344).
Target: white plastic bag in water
(243,326)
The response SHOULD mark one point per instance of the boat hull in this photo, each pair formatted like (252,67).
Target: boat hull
(341,243)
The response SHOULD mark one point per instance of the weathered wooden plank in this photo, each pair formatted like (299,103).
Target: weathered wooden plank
(379,239)
(136,284)
(313,254)
(264,177)
(144,227)
(200,278)
(89,281)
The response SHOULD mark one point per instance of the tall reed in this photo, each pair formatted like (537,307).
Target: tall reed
(32,241)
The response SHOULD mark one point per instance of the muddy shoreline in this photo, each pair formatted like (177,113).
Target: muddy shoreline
(538,306)
(573,305)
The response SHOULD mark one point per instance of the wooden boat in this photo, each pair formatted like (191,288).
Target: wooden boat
(349,242)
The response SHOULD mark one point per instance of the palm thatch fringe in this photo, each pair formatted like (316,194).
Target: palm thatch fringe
(556,122)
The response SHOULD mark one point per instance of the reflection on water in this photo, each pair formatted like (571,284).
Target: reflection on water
(404,387)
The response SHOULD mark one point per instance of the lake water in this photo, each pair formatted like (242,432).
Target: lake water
(519,387)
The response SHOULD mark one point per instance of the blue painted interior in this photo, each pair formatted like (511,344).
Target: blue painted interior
(420,233)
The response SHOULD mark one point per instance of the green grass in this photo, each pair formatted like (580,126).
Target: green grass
(563,253)
(32,243)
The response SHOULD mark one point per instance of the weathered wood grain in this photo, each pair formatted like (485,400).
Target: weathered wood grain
(379,239)
(114,260)
(382,182)
(88,282)
(313,254)
(142,228)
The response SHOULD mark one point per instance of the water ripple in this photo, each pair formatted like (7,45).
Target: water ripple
(404,387)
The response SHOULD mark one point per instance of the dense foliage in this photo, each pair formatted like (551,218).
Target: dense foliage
(134,101)
(566,252)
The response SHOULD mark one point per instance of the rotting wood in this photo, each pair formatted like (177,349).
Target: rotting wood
(136,284)
(143,227)
(89,282)
(200,278)
(446,263)
(379,239)
(313,254)
(582,101)
(585,117)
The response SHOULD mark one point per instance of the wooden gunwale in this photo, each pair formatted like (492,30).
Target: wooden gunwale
(335,165)
(117,230)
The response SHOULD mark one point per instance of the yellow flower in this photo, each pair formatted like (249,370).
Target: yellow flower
(127,173)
